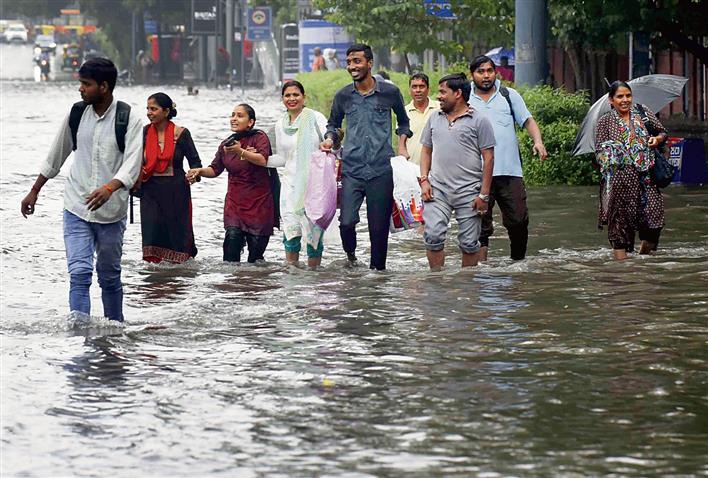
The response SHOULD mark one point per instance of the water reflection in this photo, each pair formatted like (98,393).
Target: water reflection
(564,364)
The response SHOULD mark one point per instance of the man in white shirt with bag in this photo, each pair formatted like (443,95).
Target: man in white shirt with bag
(107,140)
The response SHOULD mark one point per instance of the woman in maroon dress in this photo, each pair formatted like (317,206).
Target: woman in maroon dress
(249,214)
(165,199)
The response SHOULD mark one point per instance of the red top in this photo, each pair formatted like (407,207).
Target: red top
(249,200)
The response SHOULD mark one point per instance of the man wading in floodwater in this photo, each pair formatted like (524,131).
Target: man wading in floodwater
(107,140)
(366,157)
(504,106)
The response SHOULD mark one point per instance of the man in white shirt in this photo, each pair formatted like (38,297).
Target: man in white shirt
(97,188)
(419,110)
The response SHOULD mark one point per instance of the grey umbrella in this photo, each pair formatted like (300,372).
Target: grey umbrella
(654,91)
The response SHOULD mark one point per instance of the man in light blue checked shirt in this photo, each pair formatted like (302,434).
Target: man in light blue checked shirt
(97,188)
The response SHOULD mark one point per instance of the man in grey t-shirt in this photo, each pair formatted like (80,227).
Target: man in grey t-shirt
(456,164)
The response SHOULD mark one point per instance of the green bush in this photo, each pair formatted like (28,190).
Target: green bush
(559,115)
(560,167)
(557,112)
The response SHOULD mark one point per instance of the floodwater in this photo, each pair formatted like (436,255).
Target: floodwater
(564,364)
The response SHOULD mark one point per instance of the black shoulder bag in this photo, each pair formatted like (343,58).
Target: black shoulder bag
(662,173)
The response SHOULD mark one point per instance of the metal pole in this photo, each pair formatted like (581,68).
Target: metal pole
(244,19)
(530,41)
(132,50)
(685,87)
(631,56)
(230,38)
(217,43)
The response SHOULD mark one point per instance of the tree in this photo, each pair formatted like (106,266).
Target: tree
(31,8)
(405,26)
(589,30)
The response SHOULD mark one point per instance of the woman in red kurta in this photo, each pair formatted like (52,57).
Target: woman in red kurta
(249,214)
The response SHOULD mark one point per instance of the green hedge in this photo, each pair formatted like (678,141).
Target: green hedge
(558,113)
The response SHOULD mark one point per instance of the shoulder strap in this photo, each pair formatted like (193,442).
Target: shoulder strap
(645,118)
(122,117)
(77,111)
(504,91)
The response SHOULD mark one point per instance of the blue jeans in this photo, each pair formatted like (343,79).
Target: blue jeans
(82,240)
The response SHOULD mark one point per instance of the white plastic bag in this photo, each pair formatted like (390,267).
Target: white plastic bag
(407,210)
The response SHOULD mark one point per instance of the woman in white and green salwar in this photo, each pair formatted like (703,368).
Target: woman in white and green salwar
(297,135)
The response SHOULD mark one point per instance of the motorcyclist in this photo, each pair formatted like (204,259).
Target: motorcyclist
(44,65)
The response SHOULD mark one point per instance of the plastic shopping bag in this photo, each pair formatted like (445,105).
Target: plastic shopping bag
(407,210)
(321,191)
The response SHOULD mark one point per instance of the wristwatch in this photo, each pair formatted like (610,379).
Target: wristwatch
(484,197)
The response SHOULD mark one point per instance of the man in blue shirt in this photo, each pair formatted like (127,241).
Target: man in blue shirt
(495,101)
(366,157)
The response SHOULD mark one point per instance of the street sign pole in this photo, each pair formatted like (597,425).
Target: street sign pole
(244,20)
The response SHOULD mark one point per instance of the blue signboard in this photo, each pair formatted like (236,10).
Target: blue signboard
(151,27)
(259,23)
(440,9)
(323,35)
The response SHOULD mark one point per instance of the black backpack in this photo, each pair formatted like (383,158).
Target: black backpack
(504,91)
(121,123)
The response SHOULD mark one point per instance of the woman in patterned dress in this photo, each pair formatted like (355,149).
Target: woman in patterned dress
(629,201)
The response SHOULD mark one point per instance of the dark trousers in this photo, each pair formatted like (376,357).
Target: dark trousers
(379,200)
(645,234)
(509,192)
(234,241)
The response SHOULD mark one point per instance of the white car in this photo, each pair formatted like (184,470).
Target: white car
(46,43)
(16,32)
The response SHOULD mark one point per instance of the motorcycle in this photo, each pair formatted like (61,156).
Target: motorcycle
(42,66)
(71,59)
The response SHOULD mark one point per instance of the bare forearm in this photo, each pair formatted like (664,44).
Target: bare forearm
(487,171)
(207,172)
(533,130)
(39,183)
(426,160)
(256,158)
(114,184)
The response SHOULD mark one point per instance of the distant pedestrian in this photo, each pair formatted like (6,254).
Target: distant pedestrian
(249,207)
(165,196)
(419,110)
(318,62)
(331,60)
(504,107)
(505,71)
(366,158)
(107,144)
(456,167)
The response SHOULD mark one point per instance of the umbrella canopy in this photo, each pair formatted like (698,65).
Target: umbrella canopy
(653,91)
(497,53)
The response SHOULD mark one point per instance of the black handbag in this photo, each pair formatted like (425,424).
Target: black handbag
(662,173)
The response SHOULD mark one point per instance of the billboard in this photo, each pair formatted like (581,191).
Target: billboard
(322,34)
(289,51)
(204,16)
